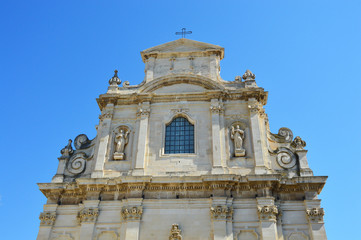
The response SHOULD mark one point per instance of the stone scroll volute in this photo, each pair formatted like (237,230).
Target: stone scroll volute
(121,139)
(237,133)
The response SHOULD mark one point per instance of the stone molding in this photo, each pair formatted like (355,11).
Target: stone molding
(47,218)
(77,192)
(221,212)
(315,215)
(132,213)
(268,212)
(88,215)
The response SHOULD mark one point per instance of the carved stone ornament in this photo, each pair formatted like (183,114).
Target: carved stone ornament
(217,108)
(298,143)
(143,112)
(221,212)
(121,140)
(77,163)
(132,213)
(286,158)
(67,151)
(106,115)
(238,79)
(81,142)
(88,215)
(286,133)
(115,81)
(268,212)
(255,107)
(47,218)
(248,76)
(175,233)
(237,135)
(315,215)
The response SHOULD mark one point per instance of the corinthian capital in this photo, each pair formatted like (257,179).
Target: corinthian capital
(47,218)
(269,212)
(132,213)
(221,212)
(315,215)
(88,215)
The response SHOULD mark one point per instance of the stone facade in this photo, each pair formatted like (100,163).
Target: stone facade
(183,155)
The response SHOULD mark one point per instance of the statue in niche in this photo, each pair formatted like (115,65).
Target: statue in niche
(237,135)
(121,140)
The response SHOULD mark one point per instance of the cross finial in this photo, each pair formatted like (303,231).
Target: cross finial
(183,32)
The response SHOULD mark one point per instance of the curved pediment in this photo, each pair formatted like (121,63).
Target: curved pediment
(181,84)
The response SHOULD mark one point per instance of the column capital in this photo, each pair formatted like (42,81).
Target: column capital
(315,215)
(88,215)
(47,218)
(221,212)
(132,213)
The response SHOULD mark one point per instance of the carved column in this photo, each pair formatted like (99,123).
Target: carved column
(314,214)
(267,212)
(142,122)
(222,215)
(104,136)
(87,218)
(217,111)
(47,220)
(132,214)
(258,137)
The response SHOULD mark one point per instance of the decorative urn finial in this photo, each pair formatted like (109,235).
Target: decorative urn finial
(115,81)
(248,76)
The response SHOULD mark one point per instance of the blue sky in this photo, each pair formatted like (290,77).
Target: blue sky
(56,57)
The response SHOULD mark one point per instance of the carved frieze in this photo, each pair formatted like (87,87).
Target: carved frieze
(88,215)
(268,212)
(47,218)
(175,232)
(315,215)
(132,213)
(221,212)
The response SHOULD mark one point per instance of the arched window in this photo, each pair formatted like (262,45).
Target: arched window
(179,136)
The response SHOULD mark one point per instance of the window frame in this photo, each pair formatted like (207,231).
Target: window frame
(166,123)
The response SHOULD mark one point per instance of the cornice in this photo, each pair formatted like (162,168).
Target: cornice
(208,183)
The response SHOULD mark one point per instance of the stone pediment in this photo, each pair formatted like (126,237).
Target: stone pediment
(182,45)
(181,83)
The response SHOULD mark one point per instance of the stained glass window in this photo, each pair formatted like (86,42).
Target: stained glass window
(179,136)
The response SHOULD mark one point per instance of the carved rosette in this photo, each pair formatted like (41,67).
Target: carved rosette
(88,215)
(268,212)
(221,212)
(47,218)
(175,232)
(315,215)
(132,213)
(143,112)
(217,108)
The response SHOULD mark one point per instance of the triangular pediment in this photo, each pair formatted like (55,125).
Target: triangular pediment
(182,45)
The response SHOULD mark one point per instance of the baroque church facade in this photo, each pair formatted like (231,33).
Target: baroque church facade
(183,155)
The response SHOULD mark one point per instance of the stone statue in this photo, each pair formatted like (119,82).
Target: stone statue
(237,135)
(121,139)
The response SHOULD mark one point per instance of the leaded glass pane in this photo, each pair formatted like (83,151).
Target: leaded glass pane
(179,136)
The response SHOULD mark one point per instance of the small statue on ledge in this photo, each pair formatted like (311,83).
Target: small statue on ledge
(121,139)
(237,135)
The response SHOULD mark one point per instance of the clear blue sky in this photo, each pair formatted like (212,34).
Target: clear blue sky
(56,57)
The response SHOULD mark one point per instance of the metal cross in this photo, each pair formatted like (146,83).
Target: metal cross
(183,32)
